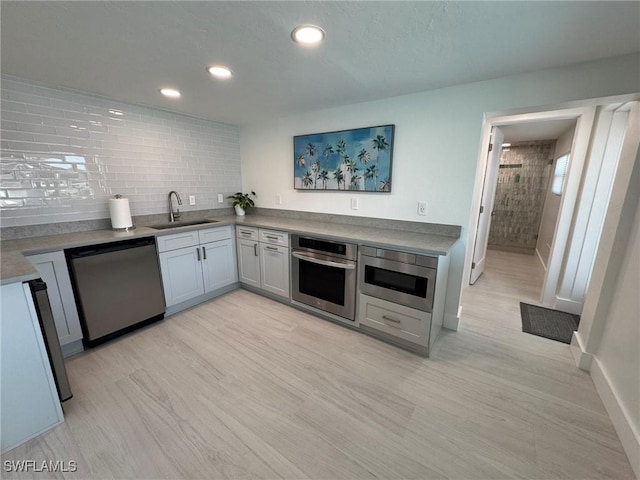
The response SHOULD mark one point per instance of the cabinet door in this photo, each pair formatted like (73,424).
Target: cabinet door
(52,268)
(218,264)
(274,267)
(181,274)
(249,262)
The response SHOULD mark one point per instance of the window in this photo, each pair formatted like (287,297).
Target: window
(558,175)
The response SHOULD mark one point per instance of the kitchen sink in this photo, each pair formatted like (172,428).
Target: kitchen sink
(164,226)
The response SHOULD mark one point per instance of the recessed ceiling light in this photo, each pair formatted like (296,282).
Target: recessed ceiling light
(506,144)
(308,35)
(219,71)
(170,92)
(113,111)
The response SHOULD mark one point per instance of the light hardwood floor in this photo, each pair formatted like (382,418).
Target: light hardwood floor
(244,387)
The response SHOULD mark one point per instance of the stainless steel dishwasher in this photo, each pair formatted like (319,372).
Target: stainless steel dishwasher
(117,287)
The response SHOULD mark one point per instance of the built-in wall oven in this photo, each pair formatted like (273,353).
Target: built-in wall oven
(398,277)
(323,275)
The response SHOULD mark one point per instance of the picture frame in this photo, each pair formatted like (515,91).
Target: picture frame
(355,160)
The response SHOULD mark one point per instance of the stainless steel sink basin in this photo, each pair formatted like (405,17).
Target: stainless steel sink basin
(164,226)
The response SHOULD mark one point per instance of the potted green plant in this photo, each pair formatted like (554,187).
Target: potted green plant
(242,201)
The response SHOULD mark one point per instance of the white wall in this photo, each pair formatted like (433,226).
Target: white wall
(552,201)
(438,135)
(618,355)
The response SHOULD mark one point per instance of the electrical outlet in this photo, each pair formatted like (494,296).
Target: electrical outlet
(220,198)
(422,208)
(354,203)
(192,199)
(278,199)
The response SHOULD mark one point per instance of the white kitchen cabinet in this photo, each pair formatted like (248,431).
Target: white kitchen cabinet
(181,274)
(218,267)
(249,262)
(52,268)
(30,403)
(274,269)
(263,259)
(192,268)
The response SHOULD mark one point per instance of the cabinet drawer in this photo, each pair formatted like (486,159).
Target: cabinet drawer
(247,233)
(393,319)
(214,234)
(274,237)
(177,240)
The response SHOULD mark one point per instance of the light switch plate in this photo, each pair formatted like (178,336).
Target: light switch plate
(278,199)
(422,208)
(354,203)
(192,199)
(220,198)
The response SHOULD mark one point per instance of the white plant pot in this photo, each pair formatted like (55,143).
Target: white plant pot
(239,210)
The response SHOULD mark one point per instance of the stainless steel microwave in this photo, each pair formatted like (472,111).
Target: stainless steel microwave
(403,278)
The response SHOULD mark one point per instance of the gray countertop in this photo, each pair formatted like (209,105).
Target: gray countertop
(16,268)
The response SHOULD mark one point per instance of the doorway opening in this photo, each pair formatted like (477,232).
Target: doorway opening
(544,180)
(530,179)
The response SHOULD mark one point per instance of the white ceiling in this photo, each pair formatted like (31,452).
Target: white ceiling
(127,50)
(541,130)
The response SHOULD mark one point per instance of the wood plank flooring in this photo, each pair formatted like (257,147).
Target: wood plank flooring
(243,387)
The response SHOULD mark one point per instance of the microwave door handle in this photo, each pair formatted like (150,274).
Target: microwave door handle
(344,266)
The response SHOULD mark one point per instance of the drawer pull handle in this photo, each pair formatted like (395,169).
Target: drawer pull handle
(271,237)
(244,233)
(391,319)
(272,248)
(198,252)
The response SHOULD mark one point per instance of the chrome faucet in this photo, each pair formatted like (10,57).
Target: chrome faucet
(173,216)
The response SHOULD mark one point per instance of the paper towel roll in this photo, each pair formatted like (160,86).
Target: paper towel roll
(120,213)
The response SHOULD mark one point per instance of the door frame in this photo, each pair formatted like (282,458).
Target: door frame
(584,117)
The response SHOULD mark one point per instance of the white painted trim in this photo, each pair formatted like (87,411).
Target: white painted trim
(568,305)
(541,261)
(567,205)
(629,436)
(451,322)
(582,358)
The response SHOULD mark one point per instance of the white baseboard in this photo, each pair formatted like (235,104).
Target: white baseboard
(569,306)
(582,358)
(452,322)
(541,261)
(627,432)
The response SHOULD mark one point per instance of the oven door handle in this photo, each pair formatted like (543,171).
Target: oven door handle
(344,266)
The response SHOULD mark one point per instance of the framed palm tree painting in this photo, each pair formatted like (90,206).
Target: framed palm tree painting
(347,160)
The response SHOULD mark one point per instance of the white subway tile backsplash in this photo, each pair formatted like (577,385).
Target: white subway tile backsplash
(65,153)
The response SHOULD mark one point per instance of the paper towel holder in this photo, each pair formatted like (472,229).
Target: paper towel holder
(125,229)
